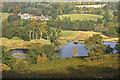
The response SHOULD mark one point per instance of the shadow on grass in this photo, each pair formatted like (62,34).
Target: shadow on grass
(80,71)
(81,57)
(95,71)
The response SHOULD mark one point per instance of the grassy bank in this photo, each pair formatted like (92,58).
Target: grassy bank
(79,67)
(81,16)
(16,43)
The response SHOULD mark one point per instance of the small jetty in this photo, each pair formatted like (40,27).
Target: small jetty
(75,41)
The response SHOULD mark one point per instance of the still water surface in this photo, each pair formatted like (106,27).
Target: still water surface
(65,51)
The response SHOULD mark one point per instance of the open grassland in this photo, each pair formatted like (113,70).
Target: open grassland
(81,16)
(82,35)
(16,43)
(78,67)
(4,15)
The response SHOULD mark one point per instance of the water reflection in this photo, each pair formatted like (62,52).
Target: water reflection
(67,50)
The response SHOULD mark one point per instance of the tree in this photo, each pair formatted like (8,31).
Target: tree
(117,46)
(44,57)
(115,13)
(17,9)
(107,16)
(13,17)
(108,49)
(112,31)
(61,12)
(7,58)
(42,28)
(49,50)
(95,46)
(32,57)
(39,59)
(10,10)
(39,13)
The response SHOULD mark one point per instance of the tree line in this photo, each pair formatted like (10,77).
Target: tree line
(29,29)
(54,9)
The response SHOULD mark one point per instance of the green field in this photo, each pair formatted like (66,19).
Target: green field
(81,16)
(68,33)
(5,15)
(78,67)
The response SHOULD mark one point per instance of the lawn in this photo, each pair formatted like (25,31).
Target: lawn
(81,16)
(68,33)
(78,67)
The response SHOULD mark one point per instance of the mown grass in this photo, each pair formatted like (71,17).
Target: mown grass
(68,33)
(81,16)
(77,67)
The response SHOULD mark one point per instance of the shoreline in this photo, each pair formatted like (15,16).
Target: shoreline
(79,41)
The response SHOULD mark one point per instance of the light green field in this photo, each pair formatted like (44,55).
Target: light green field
(5,14)
(82,35)
(81,16)
(68,33)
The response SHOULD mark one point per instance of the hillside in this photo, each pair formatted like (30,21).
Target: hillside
(70,68)
(81,16)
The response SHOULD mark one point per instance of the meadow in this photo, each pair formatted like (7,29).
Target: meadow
(81,16)
(76,67)
(82,35)
(5,15)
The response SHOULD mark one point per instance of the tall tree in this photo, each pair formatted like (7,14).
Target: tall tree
(95,46)
(42,28)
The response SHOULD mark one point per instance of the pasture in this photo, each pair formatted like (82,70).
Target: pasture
(82,35)
(4,15)
(81,16)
